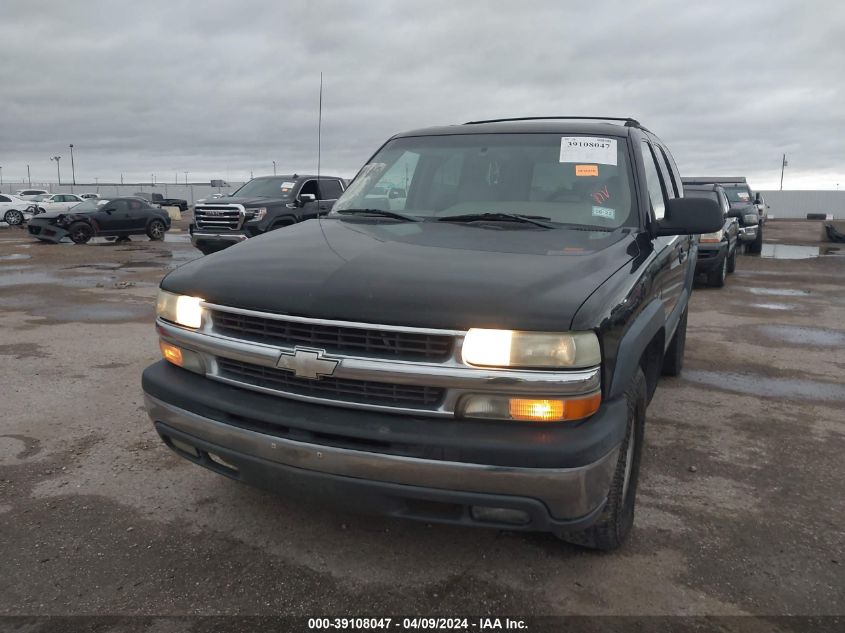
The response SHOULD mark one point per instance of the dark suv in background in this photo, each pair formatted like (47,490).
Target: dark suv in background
(716,251)
(478,349)
(746,206)
(263,204)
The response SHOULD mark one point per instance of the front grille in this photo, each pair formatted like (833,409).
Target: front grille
(222,217)
(361,341)
(341,389)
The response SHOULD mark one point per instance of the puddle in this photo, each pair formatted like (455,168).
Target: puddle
(772,306)
(768,387)
(15,256)
(778,292)
(818,337)
(793,251)
(100,313)
(22,278)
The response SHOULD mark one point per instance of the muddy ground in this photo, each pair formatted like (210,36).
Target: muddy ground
(740,508)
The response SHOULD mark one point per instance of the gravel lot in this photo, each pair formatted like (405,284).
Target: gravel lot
(740,508)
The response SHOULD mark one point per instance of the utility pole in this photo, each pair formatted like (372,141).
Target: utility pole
(121,179)
(274,168)
(28,176)
(1,179)
(72,166)
(58,171)
(186,179)
(782,166)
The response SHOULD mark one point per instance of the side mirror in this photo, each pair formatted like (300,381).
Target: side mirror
(734,213)
(306,198)
(757,198)
(690,216)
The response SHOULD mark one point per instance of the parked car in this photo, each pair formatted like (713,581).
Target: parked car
(263,204)
(14,210)
(483,356)
(54,202)
(118,217)
(716,251)
(89,196)
(29,194)
(160,200)
(744,203)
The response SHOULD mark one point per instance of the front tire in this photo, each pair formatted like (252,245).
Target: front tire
(80,233)
(156,230)
(756,246)
(732,261)
(13,217)
(614,524)
(673,360)
(717,277)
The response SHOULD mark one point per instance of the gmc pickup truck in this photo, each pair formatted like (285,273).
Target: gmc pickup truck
(263,204)
(746,206)
(480,351)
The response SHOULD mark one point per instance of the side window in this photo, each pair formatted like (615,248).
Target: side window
(330,189)
(4,199)
(672,171)
(119,205)
(309,188)
(655,187)
(135,204)
(726,206)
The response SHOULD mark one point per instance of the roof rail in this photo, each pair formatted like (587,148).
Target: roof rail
(629,122)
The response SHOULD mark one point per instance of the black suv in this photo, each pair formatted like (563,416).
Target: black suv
(263,204)
(479,349)
(747,207)
(716,251)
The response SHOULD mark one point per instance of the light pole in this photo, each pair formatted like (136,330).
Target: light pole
(72,166)
(1,179)
(274,168)
(782,167)
(58,170)
(186,179)
(28,177)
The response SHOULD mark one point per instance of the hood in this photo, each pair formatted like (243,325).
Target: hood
(49,215)
(247,201)
(427,274)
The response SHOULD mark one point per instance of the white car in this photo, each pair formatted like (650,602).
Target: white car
(13,210)
(89,196)
(57,202)
(29,194)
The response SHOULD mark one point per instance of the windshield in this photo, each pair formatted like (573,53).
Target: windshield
(580,180)
(280,187)
(88,205)
(738,193)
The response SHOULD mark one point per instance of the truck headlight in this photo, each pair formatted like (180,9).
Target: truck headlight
(750,218)
(541,350)
(253,215)
(179,309)
(712,237)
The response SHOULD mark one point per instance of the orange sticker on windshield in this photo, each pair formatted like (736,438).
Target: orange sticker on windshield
(586,170)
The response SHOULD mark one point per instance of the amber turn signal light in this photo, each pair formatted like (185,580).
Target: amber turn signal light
(554,410)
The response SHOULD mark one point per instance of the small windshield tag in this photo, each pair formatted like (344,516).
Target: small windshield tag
(288,185)
(588,149)
(604,212)
(586,170)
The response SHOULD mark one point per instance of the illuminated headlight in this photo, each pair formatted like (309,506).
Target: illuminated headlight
(541,350)
(179,309)
(713,237)
(750,218)
(253,215)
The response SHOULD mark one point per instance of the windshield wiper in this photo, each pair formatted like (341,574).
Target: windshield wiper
(379,212)
(536,220)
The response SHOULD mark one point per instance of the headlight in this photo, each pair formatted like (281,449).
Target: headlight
(542,350)
(750,218)
(257,214)
(179,309)
(712,237)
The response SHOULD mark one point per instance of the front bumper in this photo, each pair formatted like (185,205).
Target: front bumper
(710,256)
(46,232)
(429,469)
(217,239)
(747,233)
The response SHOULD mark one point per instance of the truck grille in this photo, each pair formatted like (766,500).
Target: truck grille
(361,341)
(224,217)
(340,389)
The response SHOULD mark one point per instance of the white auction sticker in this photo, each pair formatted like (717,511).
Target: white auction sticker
(288,185)
(588,149)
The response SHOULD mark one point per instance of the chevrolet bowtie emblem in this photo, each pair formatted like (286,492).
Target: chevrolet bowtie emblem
(307,363)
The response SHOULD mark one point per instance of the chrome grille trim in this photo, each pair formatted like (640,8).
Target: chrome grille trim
(227,216)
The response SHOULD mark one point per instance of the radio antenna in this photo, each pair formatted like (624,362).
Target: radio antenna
(319,131)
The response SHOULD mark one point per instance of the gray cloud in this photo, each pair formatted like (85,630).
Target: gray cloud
(221,89)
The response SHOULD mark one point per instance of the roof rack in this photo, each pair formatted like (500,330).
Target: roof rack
(629,122)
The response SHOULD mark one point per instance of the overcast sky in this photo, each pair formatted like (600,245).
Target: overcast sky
(220,89)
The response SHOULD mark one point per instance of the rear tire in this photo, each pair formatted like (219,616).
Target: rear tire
(13,217)
(673,360)
(732,261)
(80,232)
(717,277)
(156,230)
(617,518)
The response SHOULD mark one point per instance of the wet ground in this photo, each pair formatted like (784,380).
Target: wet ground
(740,508)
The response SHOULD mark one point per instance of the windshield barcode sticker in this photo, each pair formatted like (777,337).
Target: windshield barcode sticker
(604,212)
(588,149)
